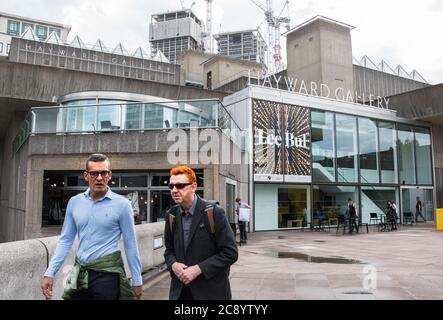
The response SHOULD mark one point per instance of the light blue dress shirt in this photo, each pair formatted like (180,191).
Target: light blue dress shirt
(99,226)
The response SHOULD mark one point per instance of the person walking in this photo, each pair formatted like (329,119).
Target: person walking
(418,210)
(352,213)
(198,259)
(99,218)
(242,224)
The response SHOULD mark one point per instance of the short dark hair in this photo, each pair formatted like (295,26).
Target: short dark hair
(97,157)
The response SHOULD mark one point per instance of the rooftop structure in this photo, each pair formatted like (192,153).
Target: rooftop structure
(245,44)
(175,32)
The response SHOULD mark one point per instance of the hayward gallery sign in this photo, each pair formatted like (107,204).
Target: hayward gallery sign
(322,90)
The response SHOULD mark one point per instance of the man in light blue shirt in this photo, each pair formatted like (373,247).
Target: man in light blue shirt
(99,218)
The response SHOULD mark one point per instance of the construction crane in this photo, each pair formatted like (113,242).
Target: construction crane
(208,33)
(274,23)
(184,5)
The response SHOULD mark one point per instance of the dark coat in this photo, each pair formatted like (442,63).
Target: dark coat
(213,253)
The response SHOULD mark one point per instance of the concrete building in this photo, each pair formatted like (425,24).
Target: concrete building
(192,67)
(305,154)
(319,53)
(220,70)
(246,45)
(176,32)
(137,133)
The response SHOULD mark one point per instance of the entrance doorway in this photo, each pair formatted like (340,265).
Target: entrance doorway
(409,201)
(279,206)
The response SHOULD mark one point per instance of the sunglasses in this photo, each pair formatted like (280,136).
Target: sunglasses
(179,186)
(95,174)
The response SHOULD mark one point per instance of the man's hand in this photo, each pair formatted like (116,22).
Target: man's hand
(189,274)
(138,290)
(47,287)
(178,269)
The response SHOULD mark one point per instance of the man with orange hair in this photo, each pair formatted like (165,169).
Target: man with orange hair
(197,258)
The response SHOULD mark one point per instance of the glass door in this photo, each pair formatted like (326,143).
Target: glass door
(410,196)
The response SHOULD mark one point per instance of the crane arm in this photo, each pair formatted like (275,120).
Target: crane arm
(260,5)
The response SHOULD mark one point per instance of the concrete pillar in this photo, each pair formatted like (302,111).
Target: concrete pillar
(320,51)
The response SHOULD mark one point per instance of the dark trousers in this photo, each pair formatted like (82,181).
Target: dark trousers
(101,286)
(418,213)
(353,224)
(186,294)
(243,232)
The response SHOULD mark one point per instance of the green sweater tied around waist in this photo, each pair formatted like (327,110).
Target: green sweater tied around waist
(78,278)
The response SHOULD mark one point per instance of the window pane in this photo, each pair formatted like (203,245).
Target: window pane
(76,181)
(45,120)
(41,32)
(332,201)
(388,152)
(367,134)
(346,131)
(423,152)
(133,115)
(406,153)
(26,25)
(159,116)
(134,181)
(375,199)
(160,180)
(109,117)
(80,119)
(323,146)
(13,27)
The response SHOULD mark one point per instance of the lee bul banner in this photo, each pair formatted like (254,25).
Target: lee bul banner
(282,142)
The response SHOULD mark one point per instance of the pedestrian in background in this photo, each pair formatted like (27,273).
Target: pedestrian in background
(243,225)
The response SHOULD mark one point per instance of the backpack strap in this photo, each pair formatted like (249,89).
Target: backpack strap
(171,219)
(210,213)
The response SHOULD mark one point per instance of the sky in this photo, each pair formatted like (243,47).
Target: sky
(405,32)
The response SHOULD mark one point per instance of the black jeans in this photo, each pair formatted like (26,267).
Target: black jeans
(243,232)
(101,286)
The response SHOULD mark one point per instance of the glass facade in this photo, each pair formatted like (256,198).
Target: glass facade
(368,150)
(423,155)
(368,160)
(406,153)
(323,158)
(388,152)
(346,136)
(330,202)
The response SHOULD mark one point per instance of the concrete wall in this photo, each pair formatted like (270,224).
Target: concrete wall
(191,63)
(422,104)
(38,83)
(321,52)
(224,68)
(13,180)
(23,263)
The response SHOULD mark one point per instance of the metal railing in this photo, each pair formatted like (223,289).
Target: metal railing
(125,117)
